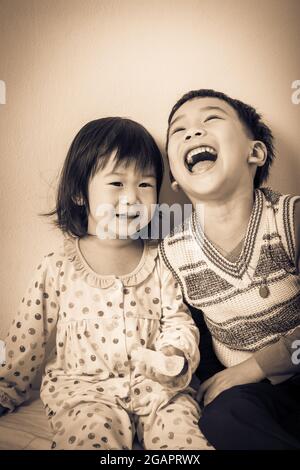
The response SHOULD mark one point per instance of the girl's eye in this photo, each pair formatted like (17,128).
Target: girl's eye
(145,185)
(116,183)
(210,118)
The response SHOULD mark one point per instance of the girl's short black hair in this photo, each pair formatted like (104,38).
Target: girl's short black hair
(247,115)
(89,152)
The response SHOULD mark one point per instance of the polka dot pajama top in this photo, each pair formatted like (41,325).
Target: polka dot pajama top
(99,321)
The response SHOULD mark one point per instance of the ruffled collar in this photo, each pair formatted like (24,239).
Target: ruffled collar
(138,275)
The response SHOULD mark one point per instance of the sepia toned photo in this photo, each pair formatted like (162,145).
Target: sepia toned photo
(150,242)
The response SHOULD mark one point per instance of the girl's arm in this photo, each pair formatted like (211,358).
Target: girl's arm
(178,329)
(28,336)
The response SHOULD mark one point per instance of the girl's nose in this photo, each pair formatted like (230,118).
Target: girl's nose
(197,132)
(129,197)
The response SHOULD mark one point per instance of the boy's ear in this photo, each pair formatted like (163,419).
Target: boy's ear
(258,154)
(175,186)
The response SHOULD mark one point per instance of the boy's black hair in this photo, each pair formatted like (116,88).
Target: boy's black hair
(89,152)
(248,116)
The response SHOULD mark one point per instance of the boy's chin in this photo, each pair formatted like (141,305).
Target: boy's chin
(199,191)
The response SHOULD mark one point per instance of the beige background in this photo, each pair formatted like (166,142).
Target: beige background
(65,62)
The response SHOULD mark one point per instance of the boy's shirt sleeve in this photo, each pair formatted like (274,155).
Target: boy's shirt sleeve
(281,360)
(177,325)
(24,347)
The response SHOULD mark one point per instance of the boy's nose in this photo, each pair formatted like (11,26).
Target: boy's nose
(199,132)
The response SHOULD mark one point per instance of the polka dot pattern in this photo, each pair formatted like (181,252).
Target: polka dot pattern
(97,329)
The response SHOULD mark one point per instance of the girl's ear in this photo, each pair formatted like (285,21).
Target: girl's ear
(258,154)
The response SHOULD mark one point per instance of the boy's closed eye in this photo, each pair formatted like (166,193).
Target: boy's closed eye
(210,118)
(178,129)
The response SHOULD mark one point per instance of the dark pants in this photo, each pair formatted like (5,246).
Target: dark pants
(255,416)
(251,416)
(209,364)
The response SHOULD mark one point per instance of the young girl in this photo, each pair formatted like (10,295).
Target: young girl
(110,300)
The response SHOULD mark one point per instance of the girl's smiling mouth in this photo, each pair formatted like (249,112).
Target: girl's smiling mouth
(127,216)
(200,159)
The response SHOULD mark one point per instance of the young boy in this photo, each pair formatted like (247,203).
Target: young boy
(237,259)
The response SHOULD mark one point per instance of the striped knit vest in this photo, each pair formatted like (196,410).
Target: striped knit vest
(228,293)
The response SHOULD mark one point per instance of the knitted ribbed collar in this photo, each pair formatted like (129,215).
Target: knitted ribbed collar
(239,267)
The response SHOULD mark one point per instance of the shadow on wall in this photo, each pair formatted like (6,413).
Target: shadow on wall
(286,168)
(169,196)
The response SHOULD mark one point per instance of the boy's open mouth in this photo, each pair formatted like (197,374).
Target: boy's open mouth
(200,159)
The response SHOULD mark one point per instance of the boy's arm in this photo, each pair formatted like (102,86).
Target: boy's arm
(277,362)
(27,338)
(280,360)
(244,373)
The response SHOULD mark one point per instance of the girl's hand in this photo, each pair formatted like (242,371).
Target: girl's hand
(171,351)
(243,373)
(149,370)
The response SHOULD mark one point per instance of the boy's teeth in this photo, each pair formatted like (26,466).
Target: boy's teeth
(199,150)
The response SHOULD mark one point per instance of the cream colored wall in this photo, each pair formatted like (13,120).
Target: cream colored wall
(65,62)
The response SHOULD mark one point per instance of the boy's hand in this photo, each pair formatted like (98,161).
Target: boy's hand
(243,373)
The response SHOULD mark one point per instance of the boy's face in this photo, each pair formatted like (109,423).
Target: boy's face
(208,149)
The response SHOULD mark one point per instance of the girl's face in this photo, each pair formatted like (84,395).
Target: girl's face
(208,149)
(122,200)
